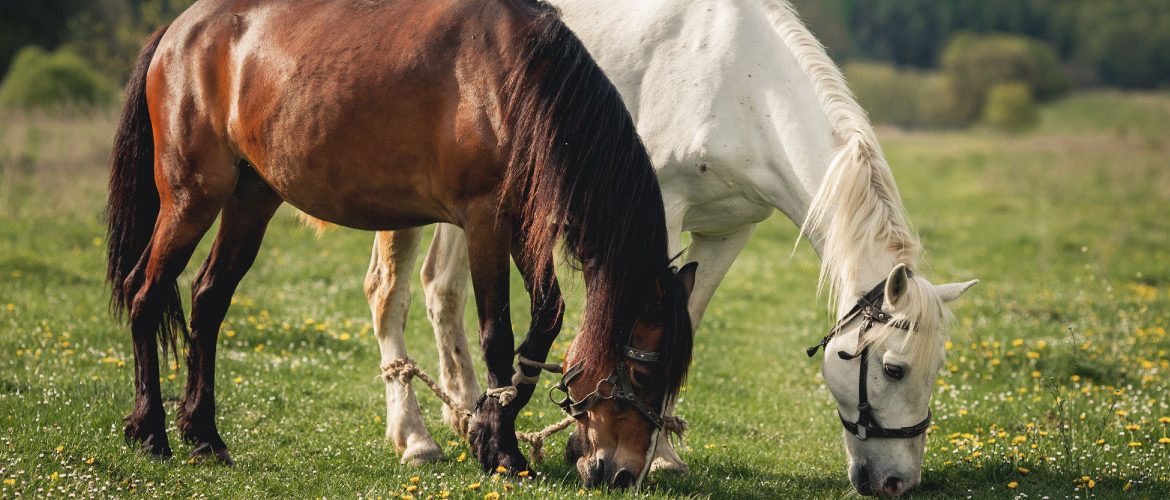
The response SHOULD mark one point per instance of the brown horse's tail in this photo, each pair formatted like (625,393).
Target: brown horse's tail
(133,203)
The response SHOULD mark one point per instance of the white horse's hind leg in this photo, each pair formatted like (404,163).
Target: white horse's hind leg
(388,292)
(715,254)
(445,278)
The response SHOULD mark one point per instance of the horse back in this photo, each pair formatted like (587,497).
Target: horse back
(393,104)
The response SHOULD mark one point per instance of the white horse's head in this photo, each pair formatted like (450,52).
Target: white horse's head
(900,343)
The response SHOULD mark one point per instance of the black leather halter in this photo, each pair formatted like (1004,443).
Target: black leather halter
(621,388)
(869,309)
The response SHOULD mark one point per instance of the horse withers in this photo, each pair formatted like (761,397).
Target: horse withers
(388,115)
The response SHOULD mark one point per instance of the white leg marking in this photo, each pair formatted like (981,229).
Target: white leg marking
(445,277)
(388,292)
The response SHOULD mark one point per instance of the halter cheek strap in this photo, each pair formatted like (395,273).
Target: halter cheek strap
(869,309)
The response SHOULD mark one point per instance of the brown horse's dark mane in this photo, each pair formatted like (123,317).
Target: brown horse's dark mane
(582,173)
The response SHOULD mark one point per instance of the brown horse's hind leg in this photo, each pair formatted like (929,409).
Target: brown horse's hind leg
(177,231)
(242,225)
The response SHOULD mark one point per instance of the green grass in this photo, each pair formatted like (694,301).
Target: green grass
(1059,359)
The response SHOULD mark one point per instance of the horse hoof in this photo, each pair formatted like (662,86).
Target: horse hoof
(424,454)
(492,437)
(152,444)
(205,453)
(670,466)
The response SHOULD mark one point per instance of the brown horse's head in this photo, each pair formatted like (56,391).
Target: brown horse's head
(619,392)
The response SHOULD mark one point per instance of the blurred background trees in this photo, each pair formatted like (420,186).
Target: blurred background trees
(913,63)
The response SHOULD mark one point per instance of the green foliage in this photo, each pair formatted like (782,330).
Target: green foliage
(1010,107)
(33,22)
(1117,42)
(44,80)
(906,97)
(974,64)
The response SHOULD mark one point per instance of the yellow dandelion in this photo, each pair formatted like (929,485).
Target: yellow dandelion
(528,413)
(1024,470)
(1013,485)
(1128,486)
(473,486)
(1164,420)
(59,448)
(1164,440)
(1033,355)
(1075,378)
(1132,427)
(10,307)
(238,380)
(10,482)
(1100,441)
(501,469)
(461,457)
(1121,413)
(525,473)
(444,494)
(344,337)
(452,443)
(411,488)
(1135,444)
(1017,342)
(491,496)
(414,479)
(89,461)
(54,476)
(1035,374)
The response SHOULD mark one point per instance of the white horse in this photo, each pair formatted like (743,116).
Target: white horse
(743,113)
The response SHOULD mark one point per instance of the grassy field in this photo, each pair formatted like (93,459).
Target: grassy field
(1055,384)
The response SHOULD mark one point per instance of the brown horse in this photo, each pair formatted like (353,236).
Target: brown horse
(383,115)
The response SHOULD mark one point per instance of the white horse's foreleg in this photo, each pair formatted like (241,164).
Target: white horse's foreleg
(388,291)
(445,278)
(715,254)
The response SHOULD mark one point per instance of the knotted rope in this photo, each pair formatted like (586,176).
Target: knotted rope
(406,369)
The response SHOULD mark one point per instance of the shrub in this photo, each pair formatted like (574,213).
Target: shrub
(904,97)
(38,79)
(1010,107)
(974,64)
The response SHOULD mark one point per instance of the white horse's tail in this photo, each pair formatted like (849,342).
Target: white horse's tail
(857,205)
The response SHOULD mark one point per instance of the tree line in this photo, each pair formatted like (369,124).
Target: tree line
(1120,43)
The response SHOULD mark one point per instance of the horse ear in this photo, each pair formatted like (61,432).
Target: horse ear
(897,283)
(952,291)
(686,275)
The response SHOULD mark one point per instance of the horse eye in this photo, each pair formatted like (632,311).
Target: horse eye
(894,372)
(643,380)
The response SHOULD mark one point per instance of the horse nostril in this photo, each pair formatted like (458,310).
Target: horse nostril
(623,479)
(893,485)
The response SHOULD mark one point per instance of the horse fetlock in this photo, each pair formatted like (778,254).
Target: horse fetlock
(492,436)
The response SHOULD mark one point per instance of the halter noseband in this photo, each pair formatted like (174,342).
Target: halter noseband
(869,309)
(621,388)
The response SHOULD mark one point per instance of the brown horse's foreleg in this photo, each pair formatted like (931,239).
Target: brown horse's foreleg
(388,292)
(493,427)
(242,225)
(176,234)
(547,309)
(445,279)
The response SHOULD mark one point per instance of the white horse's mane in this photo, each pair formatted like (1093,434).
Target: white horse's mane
(857,210)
